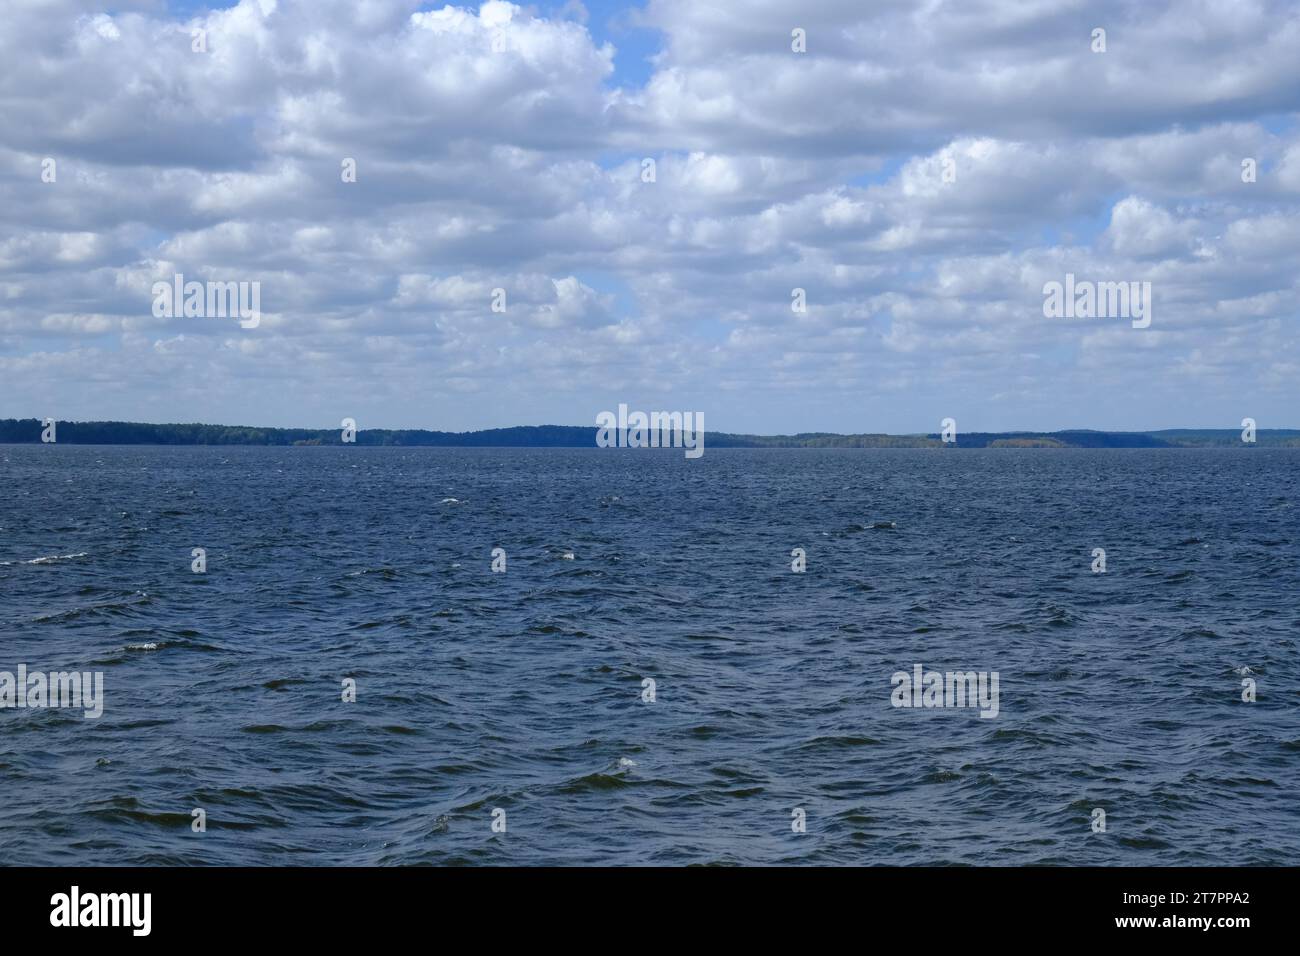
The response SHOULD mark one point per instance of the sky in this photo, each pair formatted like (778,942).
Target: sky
(920,170)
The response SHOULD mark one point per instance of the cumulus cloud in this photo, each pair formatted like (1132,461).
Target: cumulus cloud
(384,168)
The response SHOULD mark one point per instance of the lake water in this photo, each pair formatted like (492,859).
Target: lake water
(524,691)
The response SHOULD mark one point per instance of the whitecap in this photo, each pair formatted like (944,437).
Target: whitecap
(50,559)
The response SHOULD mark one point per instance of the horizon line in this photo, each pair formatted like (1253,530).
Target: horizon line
(716,431)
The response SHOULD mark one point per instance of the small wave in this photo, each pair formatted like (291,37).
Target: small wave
(134,814)
(941,776)
(388,574)
(51,559)
(839,742)
(595,781)
(114,608)
(278,682)
(1060,617)
(1144,842)
(1022,735)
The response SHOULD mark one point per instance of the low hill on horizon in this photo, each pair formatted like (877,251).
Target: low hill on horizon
(28,431)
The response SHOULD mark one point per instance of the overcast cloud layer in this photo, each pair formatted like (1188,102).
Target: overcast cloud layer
(504,147)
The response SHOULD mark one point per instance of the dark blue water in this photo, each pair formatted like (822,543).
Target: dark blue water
(523,690)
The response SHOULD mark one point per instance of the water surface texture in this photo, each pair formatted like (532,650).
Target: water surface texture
(523,690)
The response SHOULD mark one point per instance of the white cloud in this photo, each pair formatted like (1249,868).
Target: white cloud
(498,147)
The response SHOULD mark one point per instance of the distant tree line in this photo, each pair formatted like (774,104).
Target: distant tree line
(28,430)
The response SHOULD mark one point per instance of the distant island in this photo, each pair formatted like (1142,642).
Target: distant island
(28,431)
